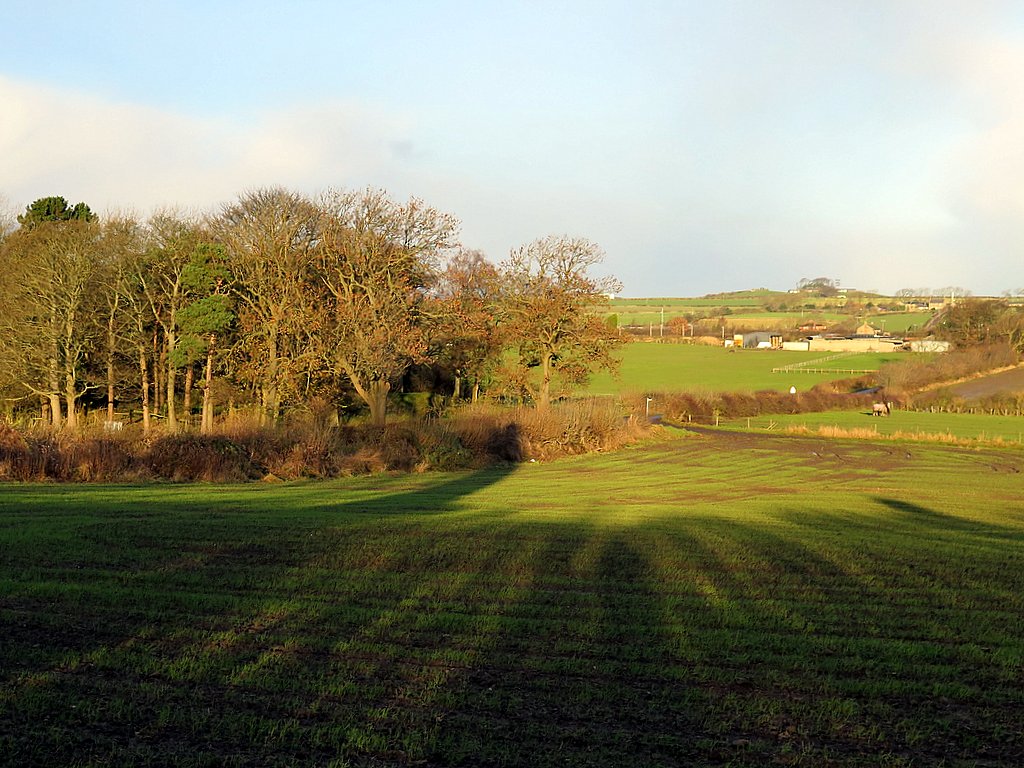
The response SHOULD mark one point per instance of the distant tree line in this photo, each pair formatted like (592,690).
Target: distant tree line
(280,300)
(983,322)
(822,286)
(949,291)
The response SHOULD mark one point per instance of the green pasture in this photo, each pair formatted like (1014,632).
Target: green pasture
(654,367)
(773,320)
(717,600)
(895,323)
(682,304)
(966,426)
(899,322)
(749,311)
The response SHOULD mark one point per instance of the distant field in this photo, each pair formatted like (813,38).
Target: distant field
(629,305)
(788,320)
(749,311)
(969,426)
(648,367)
(719,600)
(899,322)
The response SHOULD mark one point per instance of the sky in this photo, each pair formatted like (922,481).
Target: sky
(705,146)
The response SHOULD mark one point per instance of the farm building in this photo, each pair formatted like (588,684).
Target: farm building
(757,340)
(855,343)
(803,345)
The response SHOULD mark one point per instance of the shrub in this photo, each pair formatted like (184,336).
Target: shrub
(15,458)
(443,450)
(200,457)
(705,407)
(96,459)
(310,446)
(906,377)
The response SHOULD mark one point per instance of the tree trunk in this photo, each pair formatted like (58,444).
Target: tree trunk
(271,401)
(55,418)
(110,393)
(144,378)
(111,343)
(207,421)
(110,386)
(476,391)
(186,400)
(70,400)
(544,392)
(172,418)
(378,402)
(158,372)
(54,385)
(457,388)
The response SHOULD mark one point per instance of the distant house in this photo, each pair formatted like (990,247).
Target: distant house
(866,329)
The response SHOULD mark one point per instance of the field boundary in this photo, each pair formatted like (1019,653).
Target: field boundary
(814,366)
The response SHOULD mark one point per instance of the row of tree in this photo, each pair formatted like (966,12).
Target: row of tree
(982,322)
(280,299)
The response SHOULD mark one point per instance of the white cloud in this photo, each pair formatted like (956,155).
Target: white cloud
(116,155)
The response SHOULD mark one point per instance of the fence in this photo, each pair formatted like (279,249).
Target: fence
(814,366)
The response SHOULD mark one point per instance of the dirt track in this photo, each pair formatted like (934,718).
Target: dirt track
(995,384)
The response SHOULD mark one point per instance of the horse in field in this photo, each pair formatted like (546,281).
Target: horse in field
(881,409)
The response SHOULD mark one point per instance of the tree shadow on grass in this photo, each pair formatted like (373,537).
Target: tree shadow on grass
(595,681)
(859,648)
(131,636)
(934,521)
(383,626)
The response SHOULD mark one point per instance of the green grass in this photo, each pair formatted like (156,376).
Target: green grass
(967,426)
(708,601)
(680,305)
(749,309)
(789,319)
(899,322)
(676,367)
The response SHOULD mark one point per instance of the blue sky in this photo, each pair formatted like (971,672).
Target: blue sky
(706,146)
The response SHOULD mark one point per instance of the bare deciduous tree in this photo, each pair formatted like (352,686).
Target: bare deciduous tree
(469,338)
(375,261)
(46,332)
(172,241)
(270,236)
(547,302)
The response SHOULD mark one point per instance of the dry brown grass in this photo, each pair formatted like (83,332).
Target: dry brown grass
(309,446)
(864,433)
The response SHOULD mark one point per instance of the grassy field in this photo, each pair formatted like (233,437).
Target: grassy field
(722,599)
(749,311)
(679,305)
(966,426)
(784,320)
(674,367)
(899,322)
